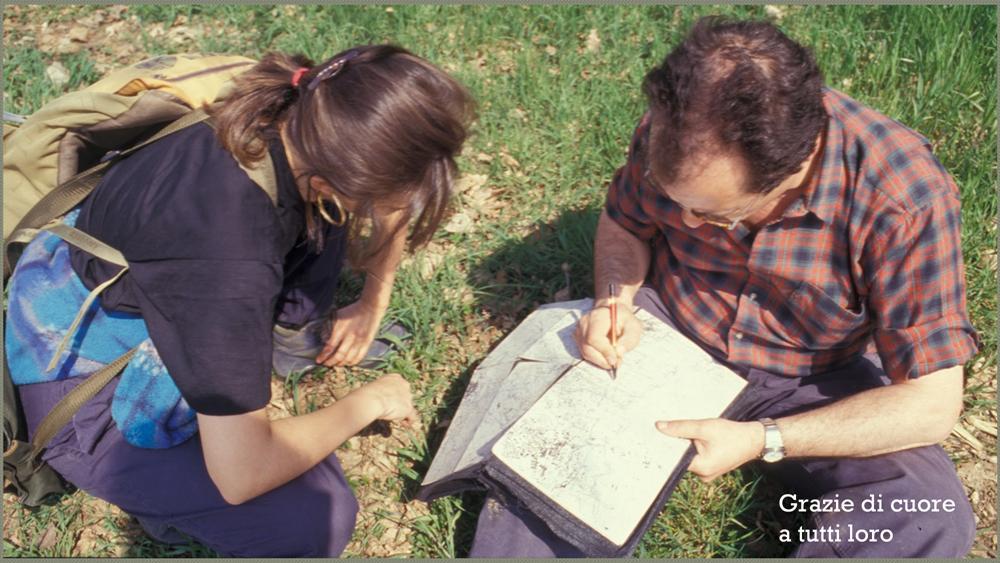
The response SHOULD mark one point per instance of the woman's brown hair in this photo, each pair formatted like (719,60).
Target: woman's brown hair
(386,124)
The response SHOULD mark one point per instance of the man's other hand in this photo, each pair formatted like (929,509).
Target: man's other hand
(593,335)
(722,445)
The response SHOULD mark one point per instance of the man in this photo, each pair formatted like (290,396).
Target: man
(812,244)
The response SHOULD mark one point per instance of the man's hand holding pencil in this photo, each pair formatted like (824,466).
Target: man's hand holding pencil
(598,345)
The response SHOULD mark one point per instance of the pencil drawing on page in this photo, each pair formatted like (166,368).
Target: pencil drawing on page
(590,444)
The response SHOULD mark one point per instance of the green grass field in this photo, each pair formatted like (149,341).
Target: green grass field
(558,94)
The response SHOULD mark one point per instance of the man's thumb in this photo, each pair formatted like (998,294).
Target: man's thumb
(679,428)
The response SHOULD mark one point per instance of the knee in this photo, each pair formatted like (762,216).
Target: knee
(330,515)
(907,504)
(313,516)
(508,533)
(342,523)
(936,520)
(954,532)
(949,533)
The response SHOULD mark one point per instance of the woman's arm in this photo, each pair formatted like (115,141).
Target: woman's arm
(356,325)
(248,454)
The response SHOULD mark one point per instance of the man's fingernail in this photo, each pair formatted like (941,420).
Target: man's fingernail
(661,425)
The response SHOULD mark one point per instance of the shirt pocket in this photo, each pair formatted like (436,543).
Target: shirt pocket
(823,322)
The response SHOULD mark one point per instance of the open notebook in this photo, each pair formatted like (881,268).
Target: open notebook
(581,450)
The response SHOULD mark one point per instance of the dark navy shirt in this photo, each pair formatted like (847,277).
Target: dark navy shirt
(213,263)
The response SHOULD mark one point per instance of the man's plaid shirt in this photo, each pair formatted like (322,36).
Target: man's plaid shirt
(870,253)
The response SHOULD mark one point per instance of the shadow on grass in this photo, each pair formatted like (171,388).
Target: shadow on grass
(514,280)
(471,502)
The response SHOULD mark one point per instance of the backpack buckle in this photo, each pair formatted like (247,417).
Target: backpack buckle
(110,155)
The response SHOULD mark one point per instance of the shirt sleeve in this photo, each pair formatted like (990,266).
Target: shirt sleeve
(625,200)
(917,285)
(210,322)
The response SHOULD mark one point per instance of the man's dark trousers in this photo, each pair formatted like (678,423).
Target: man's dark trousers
(914,474)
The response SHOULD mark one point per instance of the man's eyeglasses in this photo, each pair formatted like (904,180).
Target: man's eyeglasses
(728,223)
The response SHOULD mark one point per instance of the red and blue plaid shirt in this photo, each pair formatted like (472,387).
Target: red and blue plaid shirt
(869,253)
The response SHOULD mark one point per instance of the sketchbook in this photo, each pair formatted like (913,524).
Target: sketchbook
(540,427)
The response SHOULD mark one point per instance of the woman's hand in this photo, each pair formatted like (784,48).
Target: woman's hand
(354,329)
(356,325)
(593,335)
(391,393)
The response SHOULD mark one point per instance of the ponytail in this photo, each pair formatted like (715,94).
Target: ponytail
(380,125)
(259,98)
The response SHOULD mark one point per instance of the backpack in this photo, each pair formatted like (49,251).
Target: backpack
(51,161)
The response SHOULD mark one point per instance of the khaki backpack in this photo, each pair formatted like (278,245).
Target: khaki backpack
(51,161)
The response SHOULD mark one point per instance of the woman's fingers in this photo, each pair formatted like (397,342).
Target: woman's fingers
(356,353)
(325,356)
(344,348)
(343,352)
(412,418)
(334,351)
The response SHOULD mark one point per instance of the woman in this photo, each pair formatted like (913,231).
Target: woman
(363,141)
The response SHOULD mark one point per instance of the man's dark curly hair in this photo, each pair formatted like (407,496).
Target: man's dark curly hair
(739,86)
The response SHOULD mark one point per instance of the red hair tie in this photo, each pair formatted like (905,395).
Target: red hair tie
(297,75)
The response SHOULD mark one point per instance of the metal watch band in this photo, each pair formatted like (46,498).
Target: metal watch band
(774,448)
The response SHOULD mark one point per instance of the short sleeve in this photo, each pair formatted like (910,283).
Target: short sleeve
(211,323)
(917,283)
(625,200)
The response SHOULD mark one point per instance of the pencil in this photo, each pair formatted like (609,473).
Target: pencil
(613,305)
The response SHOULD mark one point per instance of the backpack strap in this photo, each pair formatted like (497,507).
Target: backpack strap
(18,453)
(68,406)
(261,173)
(92,246)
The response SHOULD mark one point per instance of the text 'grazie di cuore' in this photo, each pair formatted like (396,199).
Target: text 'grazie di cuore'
(872,503)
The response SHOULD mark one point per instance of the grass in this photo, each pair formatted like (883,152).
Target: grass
(554,120)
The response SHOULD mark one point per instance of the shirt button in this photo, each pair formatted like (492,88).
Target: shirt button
(739,336)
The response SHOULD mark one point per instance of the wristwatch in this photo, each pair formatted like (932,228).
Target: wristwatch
(774,448)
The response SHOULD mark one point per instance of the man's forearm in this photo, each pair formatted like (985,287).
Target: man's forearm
(877,421)
(619,257)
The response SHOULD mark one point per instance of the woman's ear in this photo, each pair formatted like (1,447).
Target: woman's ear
(320,186)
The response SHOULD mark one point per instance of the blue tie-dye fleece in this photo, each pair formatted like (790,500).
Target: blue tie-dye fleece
(44,297)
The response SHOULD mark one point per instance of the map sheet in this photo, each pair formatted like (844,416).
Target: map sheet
(590,443)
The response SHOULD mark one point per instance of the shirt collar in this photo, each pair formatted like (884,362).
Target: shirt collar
(823,196)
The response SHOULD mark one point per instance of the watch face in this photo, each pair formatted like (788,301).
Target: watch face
(772,456)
